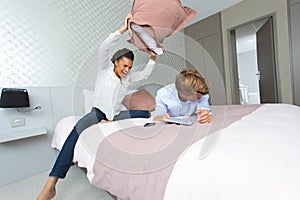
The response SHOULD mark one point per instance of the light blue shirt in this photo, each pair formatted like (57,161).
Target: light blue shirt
(167,101)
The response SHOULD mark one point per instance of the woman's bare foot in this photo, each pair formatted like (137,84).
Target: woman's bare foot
(48,191)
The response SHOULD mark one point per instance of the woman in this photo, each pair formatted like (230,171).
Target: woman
(111,87)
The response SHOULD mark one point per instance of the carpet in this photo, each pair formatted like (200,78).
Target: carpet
(75,186)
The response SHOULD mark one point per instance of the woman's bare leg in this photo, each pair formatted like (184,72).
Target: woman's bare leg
(48,191)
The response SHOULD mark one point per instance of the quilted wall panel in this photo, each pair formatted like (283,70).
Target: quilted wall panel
(54,42)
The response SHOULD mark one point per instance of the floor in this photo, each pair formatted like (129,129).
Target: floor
(75,186)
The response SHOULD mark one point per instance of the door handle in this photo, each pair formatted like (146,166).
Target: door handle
(258,75)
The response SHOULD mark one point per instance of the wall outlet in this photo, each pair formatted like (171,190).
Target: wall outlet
(17,122)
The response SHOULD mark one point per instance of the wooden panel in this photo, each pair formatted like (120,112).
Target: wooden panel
(212,45)
(209,56)
(292,2)
(204,27)
(195,56)
(295,34)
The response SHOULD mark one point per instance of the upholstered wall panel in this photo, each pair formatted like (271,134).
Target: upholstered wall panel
(54,42)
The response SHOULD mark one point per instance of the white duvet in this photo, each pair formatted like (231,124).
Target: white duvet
(256,157)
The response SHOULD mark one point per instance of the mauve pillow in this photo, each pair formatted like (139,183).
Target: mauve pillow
(160,18)
(140,100)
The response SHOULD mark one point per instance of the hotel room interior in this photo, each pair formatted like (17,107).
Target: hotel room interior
(247,49)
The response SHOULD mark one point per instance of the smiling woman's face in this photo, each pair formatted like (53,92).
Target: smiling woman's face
(123,67)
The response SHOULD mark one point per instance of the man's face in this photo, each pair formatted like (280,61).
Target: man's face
(191,97)
(123,67)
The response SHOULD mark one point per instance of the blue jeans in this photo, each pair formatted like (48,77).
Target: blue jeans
(65,157)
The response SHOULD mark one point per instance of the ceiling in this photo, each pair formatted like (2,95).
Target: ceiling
(206,8)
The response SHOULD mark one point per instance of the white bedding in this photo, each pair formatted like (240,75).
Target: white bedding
(257,157)
(87,145)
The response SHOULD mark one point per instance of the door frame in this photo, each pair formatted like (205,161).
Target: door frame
(234,82)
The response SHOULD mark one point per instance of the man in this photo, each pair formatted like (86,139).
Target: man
(188,96)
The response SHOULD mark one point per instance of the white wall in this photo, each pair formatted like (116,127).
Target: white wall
(249,10)
(28,156)
(50,48)
(18,158)
(45,43)
(44,48)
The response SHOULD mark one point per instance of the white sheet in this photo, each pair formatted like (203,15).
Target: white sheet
(91,138)
(257,158)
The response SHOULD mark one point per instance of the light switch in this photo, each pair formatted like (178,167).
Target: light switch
(17,122)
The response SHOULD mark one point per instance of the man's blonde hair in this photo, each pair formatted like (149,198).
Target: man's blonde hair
(189,81)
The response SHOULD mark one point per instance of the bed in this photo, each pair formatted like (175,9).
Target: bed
(246,152)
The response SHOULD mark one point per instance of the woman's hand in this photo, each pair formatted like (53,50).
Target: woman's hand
(105,121)
(204,116)
(124,28)
(153,57)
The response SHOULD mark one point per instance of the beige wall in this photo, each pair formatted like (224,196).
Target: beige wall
(249,10)
(204,52)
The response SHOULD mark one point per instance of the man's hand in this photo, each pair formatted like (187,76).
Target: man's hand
(204,116)
(159,118)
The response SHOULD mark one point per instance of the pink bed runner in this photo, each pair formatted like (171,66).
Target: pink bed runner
(135,163)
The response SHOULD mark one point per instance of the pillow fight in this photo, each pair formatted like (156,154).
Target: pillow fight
(147,25)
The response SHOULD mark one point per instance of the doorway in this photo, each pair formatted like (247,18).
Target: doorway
(254,71)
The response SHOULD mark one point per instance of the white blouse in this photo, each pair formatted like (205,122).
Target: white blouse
(110,90)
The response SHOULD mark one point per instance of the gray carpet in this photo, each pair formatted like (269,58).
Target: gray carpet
(75,186)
